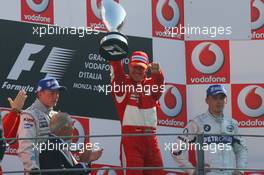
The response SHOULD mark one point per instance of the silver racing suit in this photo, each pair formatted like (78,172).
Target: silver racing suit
(225,151)
(34,122)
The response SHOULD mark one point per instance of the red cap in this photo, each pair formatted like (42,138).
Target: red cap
(139,58)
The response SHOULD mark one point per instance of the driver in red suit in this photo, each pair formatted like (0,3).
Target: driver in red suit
(136,98)
(11,121)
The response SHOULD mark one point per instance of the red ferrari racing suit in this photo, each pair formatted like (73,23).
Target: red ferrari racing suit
(8,130)
(136,106)
(10,124)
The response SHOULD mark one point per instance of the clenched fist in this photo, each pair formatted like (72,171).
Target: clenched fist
(154,67)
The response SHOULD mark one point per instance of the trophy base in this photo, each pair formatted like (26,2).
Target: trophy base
(114,46)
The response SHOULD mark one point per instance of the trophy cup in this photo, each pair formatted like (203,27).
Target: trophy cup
(114,45)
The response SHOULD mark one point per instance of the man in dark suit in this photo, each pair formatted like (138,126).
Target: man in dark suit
(56,154)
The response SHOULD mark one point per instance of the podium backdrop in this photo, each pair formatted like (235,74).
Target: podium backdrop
(223,43)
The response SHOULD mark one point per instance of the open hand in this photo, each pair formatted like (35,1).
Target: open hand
(95,155)
(19,101)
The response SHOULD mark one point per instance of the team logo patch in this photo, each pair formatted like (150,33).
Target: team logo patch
(230,128)
(218,139)
(29,120)
(185,131)
(28,125)
(207,128)
(43,124)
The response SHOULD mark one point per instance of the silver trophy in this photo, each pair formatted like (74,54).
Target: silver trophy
(114,45)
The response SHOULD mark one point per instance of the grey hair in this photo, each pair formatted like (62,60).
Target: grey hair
(64,119)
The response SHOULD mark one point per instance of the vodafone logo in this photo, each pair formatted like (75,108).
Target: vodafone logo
(38,5)
(95,5)
(250,101)
(172,110)
(207,62)
(94,18)
(95,8)
(171,101)
(168,13)
(207,58)
(37,11)
(106,172)
(257,14)
(78,131)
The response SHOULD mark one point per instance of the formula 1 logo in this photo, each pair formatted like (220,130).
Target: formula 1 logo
(166,16)
(37,11)
(172,110)
(93,15)
(36,60)
(257,19)
(207,62)
(106,170)
(55,65)
(248,105)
